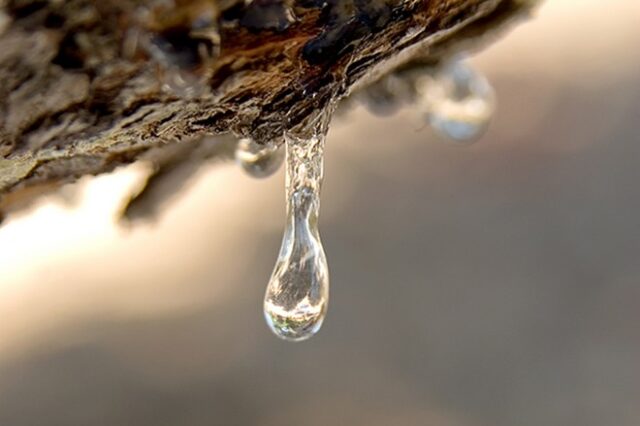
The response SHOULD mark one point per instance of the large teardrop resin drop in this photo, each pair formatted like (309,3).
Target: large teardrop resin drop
(298,292)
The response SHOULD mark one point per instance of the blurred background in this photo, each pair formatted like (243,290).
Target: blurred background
(496,284)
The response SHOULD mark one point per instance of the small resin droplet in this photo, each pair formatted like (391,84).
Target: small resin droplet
(296,299)
(387,95)
(458,102)
(258,160)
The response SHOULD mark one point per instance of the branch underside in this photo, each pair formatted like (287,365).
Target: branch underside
(88,86)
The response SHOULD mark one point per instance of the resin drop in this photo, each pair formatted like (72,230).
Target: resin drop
(258,160)
(296,299)
(387,95)
(458,102)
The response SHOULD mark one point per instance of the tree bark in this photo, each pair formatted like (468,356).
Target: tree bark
(87,86)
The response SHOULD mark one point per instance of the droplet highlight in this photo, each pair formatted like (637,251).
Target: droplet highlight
(297,295)
(457,101)
(259,160)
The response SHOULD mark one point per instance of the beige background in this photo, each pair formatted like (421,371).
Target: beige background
(495,285)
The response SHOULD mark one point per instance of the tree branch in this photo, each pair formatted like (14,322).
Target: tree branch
(88,86)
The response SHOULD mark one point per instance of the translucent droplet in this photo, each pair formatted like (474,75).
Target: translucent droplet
(298,292)
(387,95)
(258,160)
(457,101)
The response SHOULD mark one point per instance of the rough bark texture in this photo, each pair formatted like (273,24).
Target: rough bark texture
(86,86)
